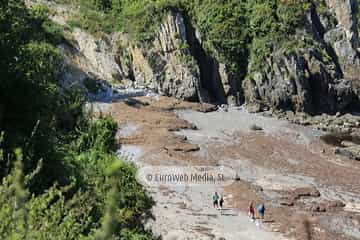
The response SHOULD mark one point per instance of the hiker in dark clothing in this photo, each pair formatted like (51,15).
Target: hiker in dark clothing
(216,200)
(221,203)
(261,210)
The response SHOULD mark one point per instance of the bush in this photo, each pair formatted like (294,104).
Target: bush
(70,212)
(59,185)
(91,85)
(99,135)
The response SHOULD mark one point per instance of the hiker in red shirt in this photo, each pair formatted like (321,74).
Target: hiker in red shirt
(251,210)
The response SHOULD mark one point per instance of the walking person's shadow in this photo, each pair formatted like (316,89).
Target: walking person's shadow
(228,212)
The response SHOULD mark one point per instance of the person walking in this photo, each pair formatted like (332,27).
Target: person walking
(251,211)
(215,198)
(261,210)
(221,203)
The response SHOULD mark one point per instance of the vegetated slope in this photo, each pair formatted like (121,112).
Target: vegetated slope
(60,178)
(291,55)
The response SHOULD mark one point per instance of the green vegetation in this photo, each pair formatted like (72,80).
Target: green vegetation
(237,32)
(91,85)
(92,15)
(60,178)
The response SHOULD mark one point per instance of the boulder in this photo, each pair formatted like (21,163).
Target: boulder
(344,38)
(300,82)
(352,152)
(178,75)
(305,192)
(182,147)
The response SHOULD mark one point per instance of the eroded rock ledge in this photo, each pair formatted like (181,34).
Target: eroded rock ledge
(175,63)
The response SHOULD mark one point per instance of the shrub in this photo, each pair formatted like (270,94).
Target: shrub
(58,185)
(99,135)
(91,85)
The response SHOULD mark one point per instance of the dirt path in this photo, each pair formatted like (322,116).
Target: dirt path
(186,213)
(289,165)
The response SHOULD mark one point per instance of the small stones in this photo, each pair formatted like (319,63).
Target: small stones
(325,206)
(336,204)
(206,107)
(182,147)
(287,202)
(319,207)
(325,122)
(257,188)
(352,152)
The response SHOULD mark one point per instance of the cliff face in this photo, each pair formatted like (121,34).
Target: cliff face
(315,79)
(308,79)
(174,63)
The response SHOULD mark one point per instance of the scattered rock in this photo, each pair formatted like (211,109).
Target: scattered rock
(287,202)
(257,188)
(206,107)
(182,147)
(255,127)
(325,206)
(350,152)
(318,207)
(305,192)
(256,107)
(223,108)
(135,103)
(335,204)
(348,144)
(185,125)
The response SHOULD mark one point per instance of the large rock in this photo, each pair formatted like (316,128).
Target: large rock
(352,152)
(100,55)
(314,79)
(86,57)
(322,77)
(179,75)
(345,12)
(344,38)
(180,66)
(300,81)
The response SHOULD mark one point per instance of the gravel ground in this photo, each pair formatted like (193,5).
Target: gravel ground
(271,164)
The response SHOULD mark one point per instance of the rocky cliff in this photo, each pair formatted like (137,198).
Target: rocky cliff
(314,80)
(319,77)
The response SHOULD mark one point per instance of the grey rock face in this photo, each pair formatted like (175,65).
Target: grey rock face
(300,82)
(179,65)
(176,64)
(90,57)
(179,75)
(344,38)
(286,85)
(307,80)
(345,12)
